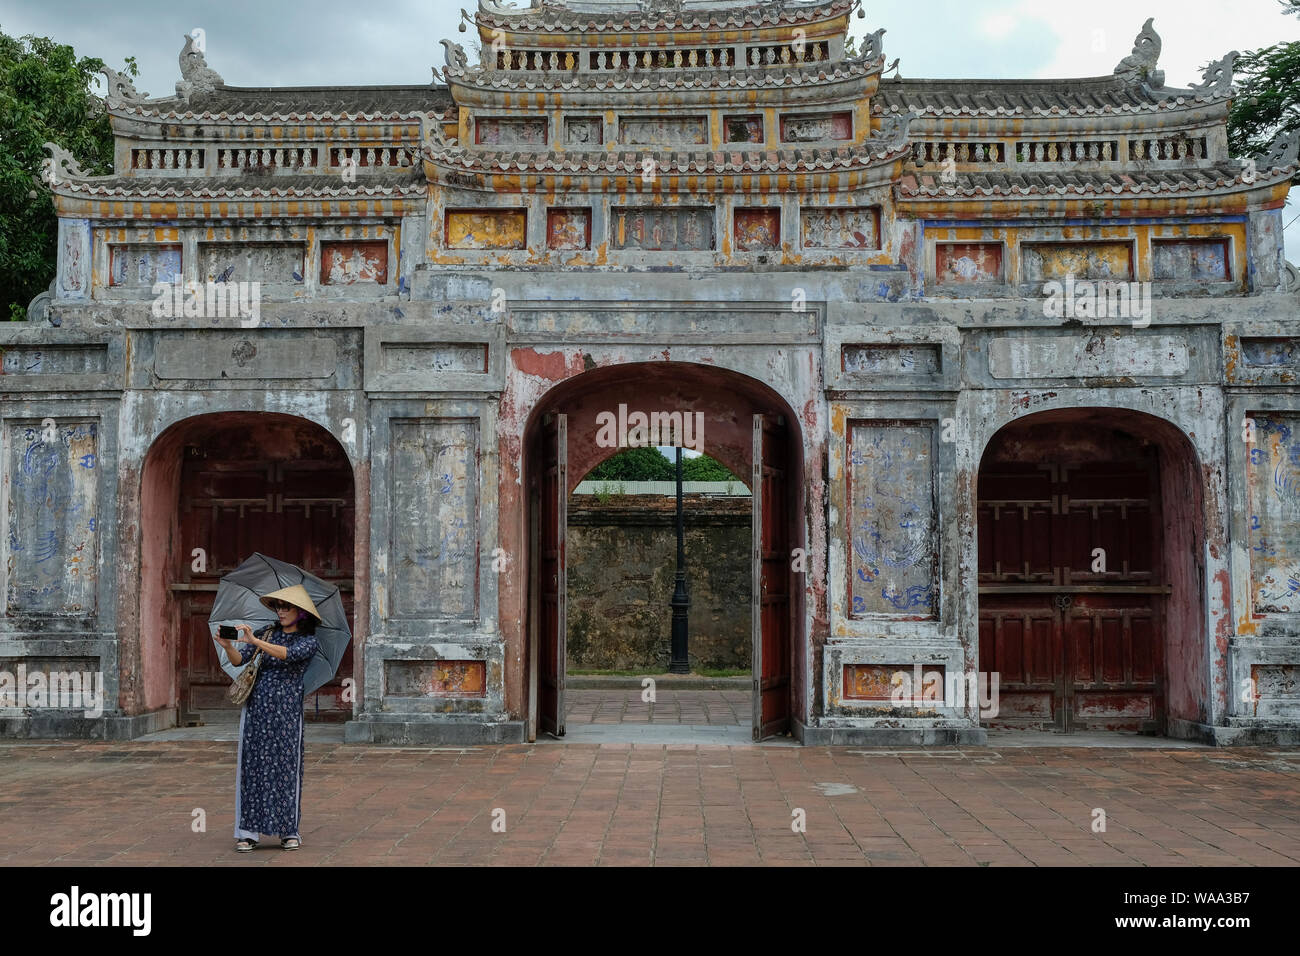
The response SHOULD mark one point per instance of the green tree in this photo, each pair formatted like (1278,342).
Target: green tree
(1268,94)
(46,95)
(705,468)
(635,464)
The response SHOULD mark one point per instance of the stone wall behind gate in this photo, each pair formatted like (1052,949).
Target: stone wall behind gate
(622,562)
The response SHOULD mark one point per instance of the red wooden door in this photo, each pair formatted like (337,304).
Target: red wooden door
(552,576)
(1070,596)
(770,596)
(299,511)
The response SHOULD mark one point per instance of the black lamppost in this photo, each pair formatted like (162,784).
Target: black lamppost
(681,601)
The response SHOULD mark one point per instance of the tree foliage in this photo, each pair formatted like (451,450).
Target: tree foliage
(649,464)
(46,95)
(705,468)
(1268,94)
(635,464)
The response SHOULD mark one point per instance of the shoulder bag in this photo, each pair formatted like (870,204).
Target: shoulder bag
(243,685)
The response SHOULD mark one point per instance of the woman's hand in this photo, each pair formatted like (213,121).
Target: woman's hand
(246,634)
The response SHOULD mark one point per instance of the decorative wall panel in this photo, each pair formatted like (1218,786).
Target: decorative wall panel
(487,229)
(757,230)
(682,228)
(434,501)
(270,262)
(1273,502)
(891,521)
(349,263)
(568,228)
(141,265)
(1047,261)
(584,131)
(492,131)
(960,263)
(664,131)
(815,128)
(1191,260)
(856,227)
(53,541)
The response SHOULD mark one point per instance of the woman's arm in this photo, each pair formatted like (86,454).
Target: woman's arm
(300,649)
(278,651)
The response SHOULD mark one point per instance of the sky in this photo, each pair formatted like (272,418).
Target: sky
(348,42)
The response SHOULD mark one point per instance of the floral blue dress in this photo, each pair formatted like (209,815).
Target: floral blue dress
(268,783)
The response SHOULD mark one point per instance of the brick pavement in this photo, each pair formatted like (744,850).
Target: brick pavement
(625,706)
(622,804)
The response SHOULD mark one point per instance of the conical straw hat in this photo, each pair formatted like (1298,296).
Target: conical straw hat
(296,595)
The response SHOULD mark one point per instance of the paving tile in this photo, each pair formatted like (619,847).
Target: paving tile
(667,800)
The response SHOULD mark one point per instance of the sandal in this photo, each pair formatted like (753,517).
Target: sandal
(289,843)
(244,846)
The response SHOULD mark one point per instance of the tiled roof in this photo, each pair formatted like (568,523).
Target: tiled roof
(395,183)
(779,75)
(668,160)
(1101,94)
(553,18)
(367,103)
(1080,183)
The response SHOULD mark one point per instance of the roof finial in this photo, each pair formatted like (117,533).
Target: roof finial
(1282,152)
(1141,65)
(120,88)
(60,166)
(1218,77)
(196,76)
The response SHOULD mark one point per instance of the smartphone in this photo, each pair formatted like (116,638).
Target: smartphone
(227,632)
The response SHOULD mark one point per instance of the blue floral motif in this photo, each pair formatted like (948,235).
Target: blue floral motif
(268,784)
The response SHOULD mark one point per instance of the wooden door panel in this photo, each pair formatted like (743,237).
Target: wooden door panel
(771,607)
(1089,638)
(552,583)
(1020,641)
(302,512)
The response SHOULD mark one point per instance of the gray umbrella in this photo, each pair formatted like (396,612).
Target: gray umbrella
(239,602)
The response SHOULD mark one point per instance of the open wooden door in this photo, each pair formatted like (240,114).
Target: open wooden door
(553,578)
(770,596)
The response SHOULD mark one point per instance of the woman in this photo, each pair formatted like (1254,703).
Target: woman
(268,783)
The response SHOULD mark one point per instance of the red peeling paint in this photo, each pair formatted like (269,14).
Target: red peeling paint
(550,365)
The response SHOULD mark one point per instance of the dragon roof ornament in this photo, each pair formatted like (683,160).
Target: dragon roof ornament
(1140,66)
(61,166)
(1284,151)
(457,59)
(196,76)
(1290,277)
(120,90)
(1218,77)
(894,130)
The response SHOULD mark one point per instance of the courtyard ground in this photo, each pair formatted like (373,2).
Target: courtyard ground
(667,793)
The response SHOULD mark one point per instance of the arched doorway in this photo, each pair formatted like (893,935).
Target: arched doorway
(748,428)
(216,488)
(1091,595)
